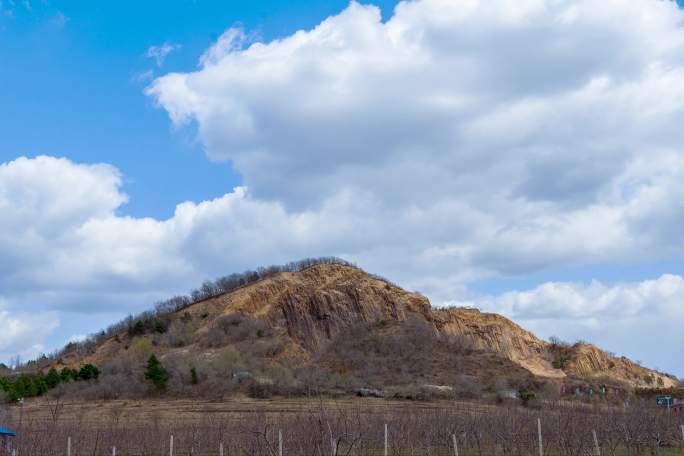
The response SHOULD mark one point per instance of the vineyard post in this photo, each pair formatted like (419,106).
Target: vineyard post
(114,451)
(333,446)
(171,445)
(541,445)
(221,449)
(453,437)
(69,446)
(280,443)
(386,439)
(596,444)
(682,435)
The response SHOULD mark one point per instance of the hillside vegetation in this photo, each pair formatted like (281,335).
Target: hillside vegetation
(321,326)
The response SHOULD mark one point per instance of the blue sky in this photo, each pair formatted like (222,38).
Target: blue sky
(522,160)
(74,66)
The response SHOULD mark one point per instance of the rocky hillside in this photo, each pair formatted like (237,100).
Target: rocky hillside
(336,324)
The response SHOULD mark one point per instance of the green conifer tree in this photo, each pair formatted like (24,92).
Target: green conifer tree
(88,372)
(156,373)
(52,379)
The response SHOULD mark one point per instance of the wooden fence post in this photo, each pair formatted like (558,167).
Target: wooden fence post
(280,442)
(333,446)
(386,437)
(539,432)
(596,444)
(69,446)
(171,445)
(682,435)
(453,437)
(221,449)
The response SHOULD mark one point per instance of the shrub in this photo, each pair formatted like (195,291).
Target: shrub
(260,390)
(559,362)
(121,377)
(140,348)
(137,329)
(159,326)
(556,342)
(234,328)
(467,387)
(89,372)
(526,396)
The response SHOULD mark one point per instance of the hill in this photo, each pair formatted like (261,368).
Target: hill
(333,328)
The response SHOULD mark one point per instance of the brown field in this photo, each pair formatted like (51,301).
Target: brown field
(348,426)
(41,410)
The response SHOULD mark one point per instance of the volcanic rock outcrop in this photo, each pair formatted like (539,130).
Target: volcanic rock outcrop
(315,309)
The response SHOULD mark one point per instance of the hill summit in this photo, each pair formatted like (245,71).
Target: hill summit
(331,327)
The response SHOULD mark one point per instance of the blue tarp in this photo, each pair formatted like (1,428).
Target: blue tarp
(5,431)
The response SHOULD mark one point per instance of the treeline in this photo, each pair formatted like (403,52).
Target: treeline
(156,320)
(32,385)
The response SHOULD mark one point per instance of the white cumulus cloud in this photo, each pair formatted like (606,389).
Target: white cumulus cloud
(458,140)
(23,334)
(496,139)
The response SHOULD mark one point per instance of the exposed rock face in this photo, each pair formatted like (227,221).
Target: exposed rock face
(314,305)
(496,333)
(308,309)
(314,316)
(589,361)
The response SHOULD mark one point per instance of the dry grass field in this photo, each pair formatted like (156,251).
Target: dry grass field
(43,410)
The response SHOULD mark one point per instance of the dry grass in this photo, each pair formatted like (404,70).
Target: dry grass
(39,411)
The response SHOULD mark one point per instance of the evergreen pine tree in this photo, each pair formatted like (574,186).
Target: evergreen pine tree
(52,378)
(68,375)
(39,384)
(138,329)
(156,373)
(88,372)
